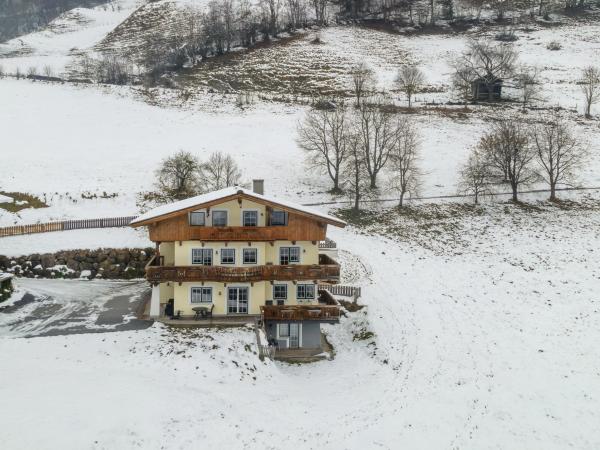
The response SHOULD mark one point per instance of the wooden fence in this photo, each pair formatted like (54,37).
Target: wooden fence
(344,291)
(108,222)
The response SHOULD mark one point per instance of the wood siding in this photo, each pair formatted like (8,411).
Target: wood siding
(299,228)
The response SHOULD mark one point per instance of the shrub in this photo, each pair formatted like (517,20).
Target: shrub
(112,69)
(506,36)
(554,45)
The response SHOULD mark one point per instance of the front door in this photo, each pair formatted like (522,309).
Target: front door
(294,335)
(237,300)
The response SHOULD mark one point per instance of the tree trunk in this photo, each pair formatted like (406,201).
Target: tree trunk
(373,184)
(515,197)
(553,192)
(401,202)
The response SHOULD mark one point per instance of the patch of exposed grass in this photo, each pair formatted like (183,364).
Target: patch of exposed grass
(351,306)
(363,335)
(21,201)
(453,228)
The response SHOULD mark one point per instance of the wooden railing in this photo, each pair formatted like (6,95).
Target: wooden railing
(327,244)
(326,270)
(300,312)
(108,222)
(344,291)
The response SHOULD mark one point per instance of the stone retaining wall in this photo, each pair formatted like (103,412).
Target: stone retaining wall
(108,263)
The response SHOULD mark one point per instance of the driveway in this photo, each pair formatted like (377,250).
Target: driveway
(58,307)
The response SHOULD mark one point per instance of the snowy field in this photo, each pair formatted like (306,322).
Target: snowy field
(113,142)
(498,352)
(485,322)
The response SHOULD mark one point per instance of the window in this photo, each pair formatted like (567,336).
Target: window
(201,295)
(250,218)
(202,256)
(227,256)
(197,218)
(250,256)
(219,218)
(284,329)
(305,291)
(280,291)
(289,255)
(279,218)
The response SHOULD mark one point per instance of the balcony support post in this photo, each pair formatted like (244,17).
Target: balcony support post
(155,301)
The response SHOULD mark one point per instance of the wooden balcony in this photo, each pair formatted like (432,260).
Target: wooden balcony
(301,312)
(327,270)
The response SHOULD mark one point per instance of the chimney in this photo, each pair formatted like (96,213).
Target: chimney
(258,186)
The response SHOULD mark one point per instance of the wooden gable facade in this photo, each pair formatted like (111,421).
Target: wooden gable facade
(301,225)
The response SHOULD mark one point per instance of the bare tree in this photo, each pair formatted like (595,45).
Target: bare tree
(220,171)
(320,7)
(404,157)
(528,81)
(559,153)
(462,83)
(508,151)
(362,82)
(409,80)
(375,134)
(355,173)
(324,136)
(178,177)
(590,85)
(48,72)
(486,62)
(475,176)
(271,9)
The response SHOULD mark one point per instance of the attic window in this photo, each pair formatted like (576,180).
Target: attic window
(197,218)
(219,218)
(279,218)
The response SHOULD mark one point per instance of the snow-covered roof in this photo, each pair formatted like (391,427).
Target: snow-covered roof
(199,200)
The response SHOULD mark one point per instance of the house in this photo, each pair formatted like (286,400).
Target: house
(480,90)
(238,253)
(6,287)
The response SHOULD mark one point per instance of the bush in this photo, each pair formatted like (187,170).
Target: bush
(506,36)
(554,45)
(114,70)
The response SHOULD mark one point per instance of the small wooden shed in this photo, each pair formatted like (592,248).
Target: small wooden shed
(480,92)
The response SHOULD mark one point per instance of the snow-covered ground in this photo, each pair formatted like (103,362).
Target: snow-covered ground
(488,342)
(66,36)
(101,140)
(74,239)
(485,323)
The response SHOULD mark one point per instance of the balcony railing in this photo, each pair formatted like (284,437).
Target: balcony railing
(301,312)
(327,270)
(327,244)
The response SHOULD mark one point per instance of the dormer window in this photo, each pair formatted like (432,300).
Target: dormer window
(279,218)
(219,218)
(197,218)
